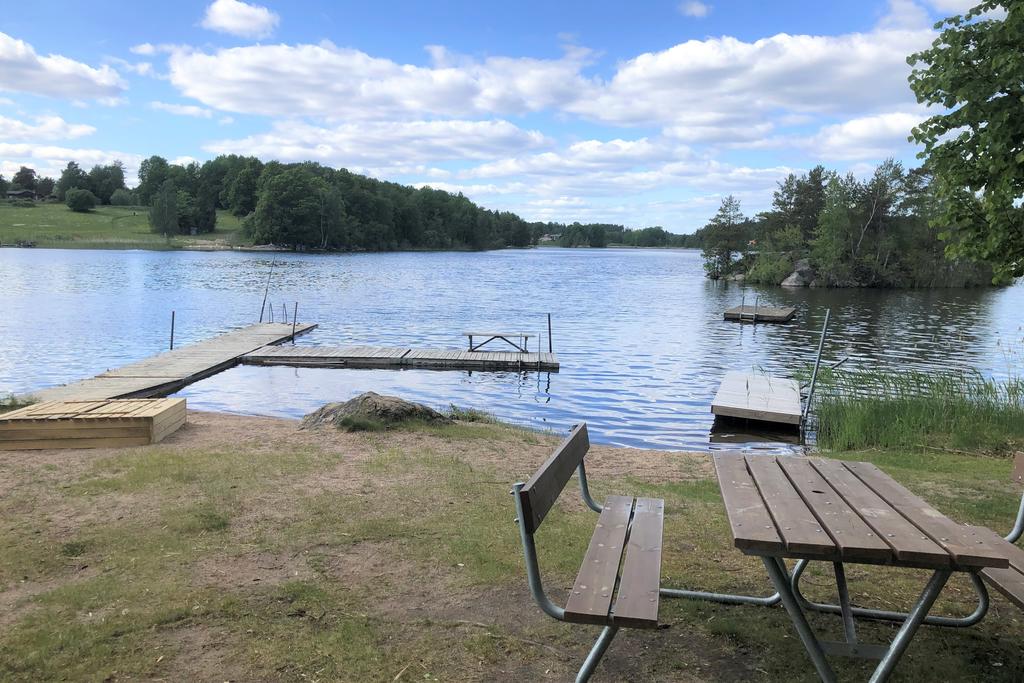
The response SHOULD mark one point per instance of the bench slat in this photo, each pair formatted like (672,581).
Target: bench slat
(908,543)
(801,532)
(857,542)
(752,527)
(636,604)
(965,544)
(591,597)
(546,484)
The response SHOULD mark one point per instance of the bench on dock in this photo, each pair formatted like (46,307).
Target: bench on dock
(522,346)
(619,579)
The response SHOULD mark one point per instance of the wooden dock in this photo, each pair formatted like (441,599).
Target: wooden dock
(761,314)
(758,397)
(395,358)
(168,372)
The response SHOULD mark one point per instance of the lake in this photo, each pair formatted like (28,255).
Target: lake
(639,333)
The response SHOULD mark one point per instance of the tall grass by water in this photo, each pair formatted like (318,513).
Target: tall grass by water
(913,410)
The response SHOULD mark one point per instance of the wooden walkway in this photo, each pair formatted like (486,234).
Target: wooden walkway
(399,357)
(761,314)
(168,372)
(758,397)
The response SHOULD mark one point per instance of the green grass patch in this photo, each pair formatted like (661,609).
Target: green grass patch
(919,411)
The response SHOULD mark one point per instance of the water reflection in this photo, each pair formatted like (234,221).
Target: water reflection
(639,334)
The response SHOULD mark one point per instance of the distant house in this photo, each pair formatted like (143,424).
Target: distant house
(21,194)
(549,238)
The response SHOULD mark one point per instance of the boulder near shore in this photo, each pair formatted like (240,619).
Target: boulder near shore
(369,411)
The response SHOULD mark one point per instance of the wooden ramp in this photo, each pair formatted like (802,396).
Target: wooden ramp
(761,314)
(395,358)
(91,424)
(758,397)
(168,372)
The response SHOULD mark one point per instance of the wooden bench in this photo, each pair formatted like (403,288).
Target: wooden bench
(619,580)
(1010,580)
(507,337)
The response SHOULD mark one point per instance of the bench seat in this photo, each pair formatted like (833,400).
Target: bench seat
(620,577)
(1009,580)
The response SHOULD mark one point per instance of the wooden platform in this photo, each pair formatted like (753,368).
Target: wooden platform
(761,314)
(399,357)
(91,424)
(168,372)
(758,397)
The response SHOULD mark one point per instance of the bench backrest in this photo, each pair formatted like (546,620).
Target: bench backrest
(1018,468)
(544,487)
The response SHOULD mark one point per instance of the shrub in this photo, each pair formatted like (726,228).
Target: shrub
(80,200)
(770,268)
(122,197)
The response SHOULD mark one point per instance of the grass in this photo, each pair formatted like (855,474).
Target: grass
(51,224)
(392,556)
(918,411)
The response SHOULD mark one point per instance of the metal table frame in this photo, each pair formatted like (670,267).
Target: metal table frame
(523,346)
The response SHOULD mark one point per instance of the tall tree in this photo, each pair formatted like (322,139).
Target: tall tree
(163,212)
(723,238)
(44,186)
(288,208)
(72,176)
(975,72)
(25,178)
(153,172)
(105,180)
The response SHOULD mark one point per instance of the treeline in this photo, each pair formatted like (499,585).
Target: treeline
(605,234)
(831,230)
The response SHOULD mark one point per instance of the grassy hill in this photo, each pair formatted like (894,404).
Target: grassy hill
(105,227)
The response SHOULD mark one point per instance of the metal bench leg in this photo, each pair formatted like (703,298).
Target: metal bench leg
(914,620)
(780,577)
(886,615)
(596,652)
(724,598)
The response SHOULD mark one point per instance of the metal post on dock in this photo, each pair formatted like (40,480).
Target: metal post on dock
(550,348)
(284,312)
(295,316)
(271,311)
(266,291)
(757,300)
(172,330)
(817,362)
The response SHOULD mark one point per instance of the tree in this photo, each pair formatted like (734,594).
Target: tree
(71,176)
(723,238)
(975,150)
(288,208)
(3,184)
(122,197)
(163,213)
(44,186)
(241,190)
(25,178)
(105,180)
(80,200)
(153,172)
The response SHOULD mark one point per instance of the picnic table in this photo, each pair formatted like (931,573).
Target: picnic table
(507,337)
(801,508)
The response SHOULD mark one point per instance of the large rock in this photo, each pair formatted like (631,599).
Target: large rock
(802,275)
(371,411)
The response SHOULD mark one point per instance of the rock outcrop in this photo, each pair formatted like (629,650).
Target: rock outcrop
(370,411)
(802,275)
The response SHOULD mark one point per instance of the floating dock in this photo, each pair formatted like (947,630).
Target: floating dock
(91,424)
(394,358)
(761,314)
(758,397)
(168,372)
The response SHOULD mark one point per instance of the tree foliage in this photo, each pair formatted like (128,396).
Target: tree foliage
(24,179)
(163,212)
(80,200)
(975,71)
(723,239)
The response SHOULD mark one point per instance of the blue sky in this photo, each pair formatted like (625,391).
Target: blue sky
(636,113)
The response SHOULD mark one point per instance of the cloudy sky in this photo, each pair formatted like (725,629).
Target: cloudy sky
(642,113)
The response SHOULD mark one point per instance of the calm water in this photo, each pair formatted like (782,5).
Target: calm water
(639,333)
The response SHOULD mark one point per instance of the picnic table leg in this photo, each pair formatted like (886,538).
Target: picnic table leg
(780,577)
(910,626)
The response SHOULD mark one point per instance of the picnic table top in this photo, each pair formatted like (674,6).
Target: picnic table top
(820,509)
(497,334)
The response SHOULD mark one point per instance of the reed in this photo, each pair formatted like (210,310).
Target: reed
(914,410)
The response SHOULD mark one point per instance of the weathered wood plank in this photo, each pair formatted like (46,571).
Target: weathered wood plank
(636,603)
(756,397)
(591,597)
(753,529)
(544,487)
(799,529)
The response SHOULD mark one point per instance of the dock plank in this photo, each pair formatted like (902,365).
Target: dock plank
(391,357)
(758,397)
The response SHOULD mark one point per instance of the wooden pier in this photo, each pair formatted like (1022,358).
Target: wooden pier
(395,358)
(758,397)
(761,314)
(168,372)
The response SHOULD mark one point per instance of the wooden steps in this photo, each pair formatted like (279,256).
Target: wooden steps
(91,424)
(399,357)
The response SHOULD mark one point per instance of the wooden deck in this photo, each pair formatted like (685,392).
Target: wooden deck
(761,314)
(758,397)
(399,357)
(168,372)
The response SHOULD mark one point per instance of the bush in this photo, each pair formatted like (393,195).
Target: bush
(122,198)
(80,200)
(22,203)
(770,269)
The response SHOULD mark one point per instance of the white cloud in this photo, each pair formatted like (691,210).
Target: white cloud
(182,109)
(327,81)
(694,9)
(50,160)
(869,137)
(371,145)
(240,19)
(22,70)
(45,128)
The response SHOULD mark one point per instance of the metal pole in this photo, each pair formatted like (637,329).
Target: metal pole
(757,300)
(909,628)
(271,311)
(295,316)
(284,312)
(267,289)
(817,362)
(549,334)
(172,330)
